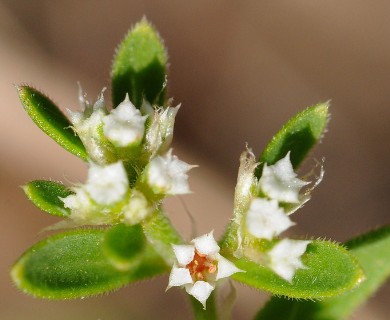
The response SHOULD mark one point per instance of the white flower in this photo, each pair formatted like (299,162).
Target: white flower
(285,257)
(93,202)
(265,219)
(125,125)
(137,208)
(168,175)
(199,266)
(160,133)
(279,181)
(107,184)
(88,124)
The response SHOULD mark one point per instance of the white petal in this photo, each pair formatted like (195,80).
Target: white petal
(160,132)
(179,277)
(167,174)
(184,253)
(206,244)
(279,181)
(77,201)
(265,219)
(137,208)
(225,268)
(125,125)
(107,184)
(200,290)
(286,257)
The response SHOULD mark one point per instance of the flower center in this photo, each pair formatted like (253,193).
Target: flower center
(200,266)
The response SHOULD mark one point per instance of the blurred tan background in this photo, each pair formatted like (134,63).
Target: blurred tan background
(240,69)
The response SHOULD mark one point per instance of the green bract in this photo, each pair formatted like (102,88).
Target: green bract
(49,118)
(46,196)
(140,67)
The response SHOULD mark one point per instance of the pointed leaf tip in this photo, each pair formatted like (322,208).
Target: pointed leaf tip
(46,196)
(299,135)
(140,67)
(49,118)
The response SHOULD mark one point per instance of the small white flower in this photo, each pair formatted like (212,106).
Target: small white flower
(88,124)
(125,125)
(107,184)
(265,219)
(168,175)
(285,257)
(92,202)
(199,266)
(160,133)
(137,208)
(279,181)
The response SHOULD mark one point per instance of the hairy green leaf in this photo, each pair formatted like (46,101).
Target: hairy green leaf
(160,232)
(373,252)
(46,196)
(73,265)
(298,135)
(331,270)
(123,244)
(139,67)
(49,118)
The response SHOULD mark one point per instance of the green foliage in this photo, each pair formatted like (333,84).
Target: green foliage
(331,269)
(139,67)
(159,231)
(46,196)
(373,253)
(87,262)
(73,265)
(49,118)
(123,244)
(298,135)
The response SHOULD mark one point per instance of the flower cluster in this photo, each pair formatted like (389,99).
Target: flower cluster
(262,210)
(131,166)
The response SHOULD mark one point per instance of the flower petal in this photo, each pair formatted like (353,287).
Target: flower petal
(125,125)
(286,257)
(168,175)
(279,181)
(200,290)
(225,268)
(206,244)
(265,219)
(184,254)
(179,277)
(107,184)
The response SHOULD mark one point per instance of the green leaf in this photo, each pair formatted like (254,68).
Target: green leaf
(46,196)
(73,265)
(331,270)
(123,244)
(139,67)
(159,231)
(49,118)
(298,135)
(373,252)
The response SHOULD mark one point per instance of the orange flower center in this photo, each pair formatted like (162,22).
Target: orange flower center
(200,266)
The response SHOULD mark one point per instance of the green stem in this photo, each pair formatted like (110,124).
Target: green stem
(211,311)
